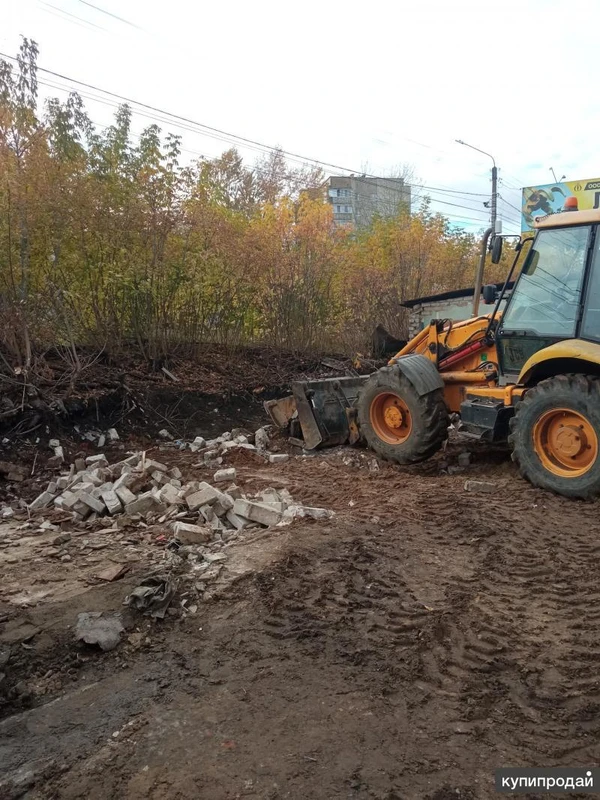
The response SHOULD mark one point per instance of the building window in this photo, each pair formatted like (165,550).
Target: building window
(348,209)
(338,209)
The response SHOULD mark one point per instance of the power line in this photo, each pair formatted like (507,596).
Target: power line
(109,14)
(518,210)
(221,134)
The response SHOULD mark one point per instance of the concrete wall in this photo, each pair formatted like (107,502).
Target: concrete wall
(456,309)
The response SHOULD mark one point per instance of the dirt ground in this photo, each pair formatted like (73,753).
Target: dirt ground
(404,649)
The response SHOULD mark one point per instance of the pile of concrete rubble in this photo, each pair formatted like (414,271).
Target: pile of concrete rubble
(144,489)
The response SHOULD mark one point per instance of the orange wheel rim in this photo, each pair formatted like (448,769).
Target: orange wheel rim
(566,442)
(390,418)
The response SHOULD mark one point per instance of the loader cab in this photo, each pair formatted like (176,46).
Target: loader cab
(557,295)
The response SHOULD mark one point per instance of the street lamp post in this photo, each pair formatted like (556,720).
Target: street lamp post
(494,183)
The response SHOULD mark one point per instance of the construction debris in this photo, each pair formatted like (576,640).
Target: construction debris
(139,489)
(93,628)
(153,596)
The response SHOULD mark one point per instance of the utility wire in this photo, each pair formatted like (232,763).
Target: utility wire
(231,137)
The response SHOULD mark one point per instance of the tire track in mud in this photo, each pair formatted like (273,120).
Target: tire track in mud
(484,608)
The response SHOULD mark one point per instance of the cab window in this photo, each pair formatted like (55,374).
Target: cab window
(590,326)
(546,299)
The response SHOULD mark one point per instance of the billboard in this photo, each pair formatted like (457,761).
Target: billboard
(538,201)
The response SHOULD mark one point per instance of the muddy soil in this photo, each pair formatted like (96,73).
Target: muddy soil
(404,649)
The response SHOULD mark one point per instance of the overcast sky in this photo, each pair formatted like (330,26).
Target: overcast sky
(364,85)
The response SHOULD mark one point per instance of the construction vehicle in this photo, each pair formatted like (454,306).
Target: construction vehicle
(529,374)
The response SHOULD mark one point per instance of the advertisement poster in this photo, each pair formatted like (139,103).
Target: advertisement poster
(538,201)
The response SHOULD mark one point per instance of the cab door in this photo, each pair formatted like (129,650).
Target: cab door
(545,304)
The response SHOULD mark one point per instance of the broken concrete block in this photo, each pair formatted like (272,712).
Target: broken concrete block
(278,458)
(125,495)
(69,499)
(241,440)
(234,491)
(52,487)
(210,455)
(174,482)
(207,512)
(464,459)
(99,460)
(170,495)
(101,440)
(55,461)
(225,500)
(124,479)
(53,443)
(261,439)
(480,486)
(222,475)
(191,488)
(202,497)
(80,464)
(111,501)
(235,520)
(219,510)
(216,524)
(112,435)
(306,511)
(199,442)
(246,446)
(92,502)
(159,477)
(143,504)
(62,482)
(176,473)
(155,465)
(191,534)
(41,501)
(80,510)
(257,512)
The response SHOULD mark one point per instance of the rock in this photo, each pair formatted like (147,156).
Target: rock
(164,434)
(41,501)
(464,459)
(7,512)
(101,440)
(261,439)
(199,442)
(191,534)
(278,458)
(222,475)
(112,434)
(257,512)
(53,444)
(66,558)
(93,628)
(480,486)
(454,470)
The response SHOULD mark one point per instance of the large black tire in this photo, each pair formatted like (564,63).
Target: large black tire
(428,415)
(578,394)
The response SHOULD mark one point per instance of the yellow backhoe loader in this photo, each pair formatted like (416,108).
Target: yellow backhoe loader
(529,374)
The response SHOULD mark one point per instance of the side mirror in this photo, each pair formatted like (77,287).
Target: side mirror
(489,294)
(496,249)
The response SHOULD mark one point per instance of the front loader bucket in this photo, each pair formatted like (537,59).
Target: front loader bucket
(325,411)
